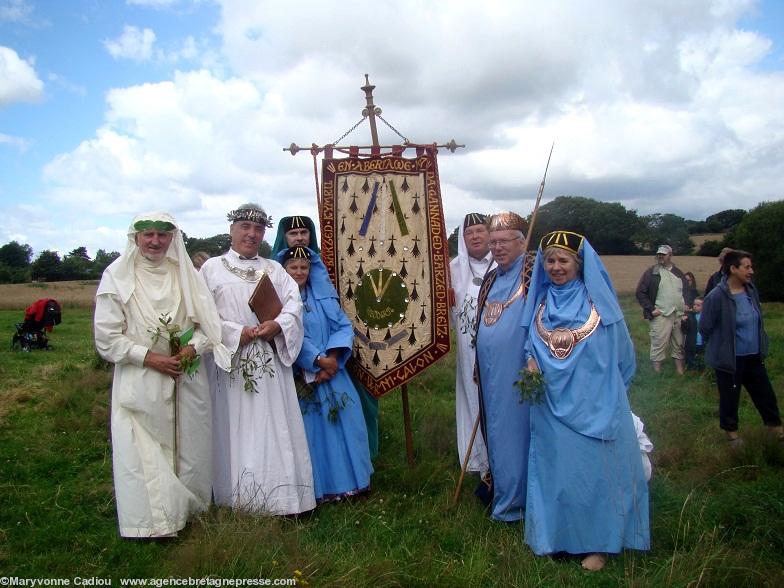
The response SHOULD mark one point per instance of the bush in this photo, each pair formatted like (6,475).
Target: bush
(759,234)
(710,249)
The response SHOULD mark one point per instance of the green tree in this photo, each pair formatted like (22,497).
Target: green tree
(759,234)
(724,220)
(77,265)
(101,262)
(697,227)
(452,242)
(710,248)
(218,245)
(47,266)
(265,249)
(215,245)
(607,225)
(14,275)
(16,255)
(659,229)
(15,263)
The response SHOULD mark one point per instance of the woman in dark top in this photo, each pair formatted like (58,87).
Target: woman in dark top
(736,344)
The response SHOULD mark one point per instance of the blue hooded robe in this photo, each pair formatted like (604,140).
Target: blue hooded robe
(334,424)
(369,403)
(586,490)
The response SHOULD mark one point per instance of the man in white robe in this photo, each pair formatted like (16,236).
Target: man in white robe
(161,452)
(260,451)
(466,272)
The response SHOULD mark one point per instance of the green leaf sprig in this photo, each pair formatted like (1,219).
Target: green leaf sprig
(170,331)
(531,385)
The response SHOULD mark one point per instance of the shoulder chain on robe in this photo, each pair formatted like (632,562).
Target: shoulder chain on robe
(561,341)
(248,274)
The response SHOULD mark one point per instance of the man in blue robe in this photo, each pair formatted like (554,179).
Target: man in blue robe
(499,351)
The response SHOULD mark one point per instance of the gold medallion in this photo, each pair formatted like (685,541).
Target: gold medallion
(493,312)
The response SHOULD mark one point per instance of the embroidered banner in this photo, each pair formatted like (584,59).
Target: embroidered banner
(384,243)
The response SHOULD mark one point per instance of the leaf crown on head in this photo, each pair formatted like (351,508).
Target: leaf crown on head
(250,214)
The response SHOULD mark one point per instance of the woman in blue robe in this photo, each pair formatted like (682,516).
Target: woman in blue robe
(331,410)
(586,490)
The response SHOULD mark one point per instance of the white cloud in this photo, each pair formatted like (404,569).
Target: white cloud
(659,105)
(20,144)
(141,45)
(647,102)
(66,85)
(196,145)
(189,50)
(15,11)
(18,80)
(133,43)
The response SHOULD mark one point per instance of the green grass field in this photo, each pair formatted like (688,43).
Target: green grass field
(717,516)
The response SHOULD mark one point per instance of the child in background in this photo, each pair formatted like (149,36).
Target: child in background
(695,355)
(699,344)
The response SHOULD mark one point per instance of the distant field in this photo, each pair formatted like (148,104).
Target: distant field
(77,294)
(700,239)
(625,271)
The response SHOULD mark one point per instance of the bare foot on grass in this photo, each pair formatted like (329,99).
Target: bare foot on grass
(595,562)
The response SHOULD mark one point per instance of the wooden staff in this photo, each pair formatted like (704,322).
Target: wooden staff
(176,426)
(526,244)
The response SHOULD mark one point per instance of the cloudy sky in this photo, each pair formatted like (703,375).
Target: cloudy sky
(112,107)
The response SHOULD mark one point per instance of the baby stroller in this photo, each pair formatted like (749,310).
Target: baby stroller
(42,315)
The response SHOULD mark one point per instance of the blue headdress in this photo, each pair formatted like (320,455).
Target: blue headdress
(594,275)
(318,279)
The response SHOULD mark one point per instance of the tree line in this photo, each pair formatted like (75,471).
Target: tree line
(614,230)
(17,265)
(609,226)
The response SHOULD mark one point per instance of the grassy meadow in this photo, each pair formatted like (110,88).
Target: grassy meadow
(717,516)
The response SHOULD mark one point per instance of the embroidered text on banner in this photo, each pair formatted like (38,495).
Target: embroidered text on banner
(384,243)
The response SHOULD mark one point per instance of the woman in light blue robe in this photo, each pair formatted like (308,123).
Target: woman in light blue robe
(331,410)
(586,490)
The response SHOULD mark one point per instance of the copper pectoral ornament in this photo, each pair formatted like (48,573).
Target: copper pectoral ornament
(493,312)
(561,340)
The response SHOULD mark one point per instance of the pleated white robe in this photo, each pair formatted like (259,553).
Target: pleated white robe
(260,451)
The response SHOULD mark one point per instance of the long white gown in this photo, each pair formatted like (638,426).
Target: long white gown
(260,451)
(462,271)
(152,501)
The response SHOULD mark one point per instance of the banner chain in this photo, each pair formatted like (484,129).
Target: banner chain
(378,114)
(348,132)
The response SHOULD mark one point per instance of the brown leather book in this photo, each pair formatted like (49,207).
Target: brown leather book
(265,302)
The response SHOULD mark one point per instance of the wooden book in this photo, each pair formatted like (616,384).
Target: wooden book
(265,302)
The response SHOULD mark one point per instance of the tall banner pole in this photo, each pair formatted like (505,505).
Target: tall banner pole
(384,245)
(370,111)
